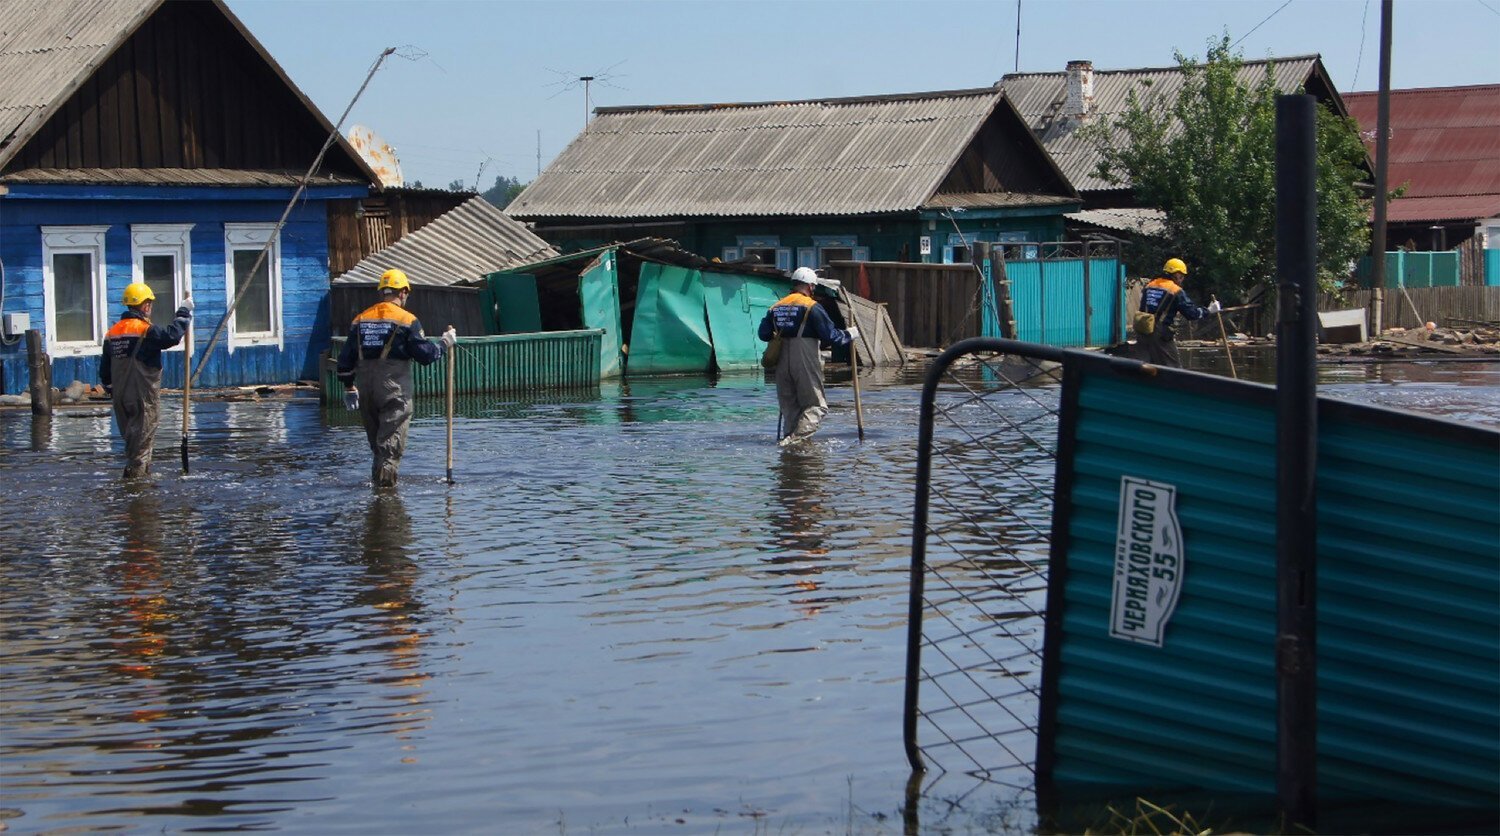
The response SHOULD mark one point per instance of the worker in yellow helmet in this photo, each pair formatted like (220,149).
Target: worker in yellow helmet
(375,366)
(130,370)
(1161,301)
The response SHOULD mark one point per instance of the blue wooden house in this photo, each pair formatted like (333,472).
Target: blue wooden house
(157,141)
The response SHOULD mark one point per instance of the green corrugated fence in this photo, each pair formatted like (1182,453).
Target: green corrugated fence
(503,363)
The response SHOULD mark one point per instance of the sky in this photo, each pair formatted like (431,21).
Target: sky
(480,88)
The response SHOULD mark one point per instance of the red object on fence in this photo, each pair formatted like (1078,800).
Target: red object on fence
(864,281)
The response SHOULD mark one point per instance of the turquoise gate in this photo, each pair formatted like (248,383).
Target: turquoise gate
(1069,294)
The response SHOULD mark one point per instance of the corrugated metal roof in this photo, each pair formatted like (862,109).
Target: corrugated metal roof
(171,177)
(1040,96)
(821,157)
(49,48)
(1444,146)
(462,245)
(1142,221)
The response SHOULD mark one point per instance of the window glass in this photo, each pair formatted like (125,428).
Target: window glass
(253,314)
(828,254)
(764,255)
(160,274)
(73,282)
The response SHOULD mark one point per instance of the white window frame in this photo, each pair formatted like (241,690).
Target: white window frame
(65,240)
(837,242)
(165,239)
(253,237)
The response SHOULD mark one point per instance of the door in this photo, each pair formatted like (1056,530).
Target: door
(599,291)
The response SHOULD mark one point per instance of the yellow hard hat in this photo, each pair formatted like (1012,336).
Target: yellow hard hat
(138,292)
(394,279)
(1175,265)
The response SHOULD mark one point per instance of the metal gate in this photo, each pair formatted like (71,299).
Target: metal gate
(1062,293)
(982,523)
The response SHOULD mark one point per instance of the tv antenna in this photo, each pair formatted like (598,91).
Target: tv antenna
(572,81)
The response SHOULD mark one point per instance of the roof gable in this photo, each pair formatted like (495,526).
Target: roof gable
(151,84)
(1040,98)
(853,156)
(462,245)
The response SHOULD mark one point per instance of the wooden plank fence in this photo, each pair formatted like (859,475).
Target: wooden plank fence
(435,306)
(930,305)
(1412,307)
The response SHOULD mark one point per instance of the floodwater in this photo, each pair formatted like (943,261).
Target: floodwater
(632,613)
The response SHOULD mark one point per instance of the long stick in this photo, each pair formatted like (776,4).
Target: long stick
(290,204)
(859,411)
(187,392)
(1225,336)
(452,359)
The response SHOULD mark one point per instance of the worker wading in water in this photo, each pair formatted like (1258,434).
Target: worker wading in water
(376,367)
(130,370)
(1164,298)
(804,326)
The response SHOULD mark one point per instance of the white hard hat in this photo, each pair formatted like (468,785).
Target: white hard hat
(805,275)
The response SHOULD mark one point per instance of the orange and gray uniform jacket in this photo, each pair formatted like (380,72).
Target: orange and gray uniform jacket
(385,330)
(786,317)
(135,338)
(1160,292)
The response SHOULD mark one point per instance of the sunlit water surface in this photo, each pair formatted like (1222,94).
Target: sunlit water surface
(631,613)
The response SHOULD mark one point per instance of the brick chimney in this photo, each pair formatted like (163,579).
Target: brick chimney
(1080,86)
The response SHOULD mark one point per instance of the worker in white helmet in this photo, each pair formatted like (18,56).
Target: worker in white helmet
(802,326)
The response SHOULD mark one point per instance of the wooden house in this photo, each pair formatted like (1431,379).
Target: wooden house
(914,177)
(157,141)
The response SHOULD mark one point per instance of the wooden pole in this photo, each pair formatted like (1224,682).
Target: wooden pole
(1224,335)
(452,360)
(40,366)
(187,392)
(859,410)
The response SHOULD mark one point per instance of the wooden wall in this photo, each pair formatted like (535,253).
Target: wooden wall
(185,91)
(930,305)
(359,227)
(435,307)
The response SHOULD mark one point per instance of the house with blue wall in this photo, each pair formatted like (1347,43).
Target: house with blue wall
(915,177)
(157,141)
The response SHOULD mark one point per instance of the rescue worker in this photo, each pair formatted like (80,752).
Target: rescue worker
(130,369)
(803,326)
(1164,298)
(375,365)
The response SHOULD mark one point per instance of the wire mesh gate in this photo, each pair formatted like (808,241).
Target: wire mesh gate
(981,533)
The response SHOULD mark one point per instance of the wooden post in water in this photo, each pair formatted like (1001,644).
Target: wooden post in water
(1296,462)
(859,410)
(40,366)
(187,392)
(452,359)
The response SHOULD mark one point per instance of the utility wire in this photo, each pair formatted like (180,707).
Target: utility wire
(1262,23)
(1354,85)
(1493,10)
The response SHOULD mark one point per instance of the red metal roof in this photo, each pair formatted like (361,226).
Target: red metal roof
(1444,145)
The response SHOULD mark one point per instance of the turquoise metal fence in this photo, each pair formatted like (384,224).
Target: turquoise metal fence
(1067,294)
(503,363)
(1414,269)
(1157,678)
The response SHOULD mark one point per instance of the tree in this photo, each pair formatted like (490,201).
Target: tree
(504,191)
(1208,160)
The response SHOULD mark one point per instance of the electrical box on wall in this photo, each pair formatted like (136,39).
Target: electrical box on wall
(15,324)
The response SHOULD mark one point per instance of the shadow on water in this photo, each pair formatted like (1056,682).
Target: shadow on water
(631,613)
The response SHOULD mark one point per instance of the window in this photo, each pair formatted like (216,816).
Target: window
(766,249)
(830,248)
(161,256)
(256,320)
(73,289)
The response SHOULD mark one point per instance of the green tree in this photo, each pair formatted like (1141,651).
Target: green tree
(1207,159)
(504,191)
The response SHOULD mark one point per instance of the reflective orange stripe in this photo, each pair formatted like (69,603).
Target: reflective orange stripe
(128,327)
(386,311)
(1168,285)
(798,299)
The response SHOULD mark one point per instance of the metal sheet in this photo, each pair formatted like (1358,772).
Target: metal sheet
(505,363)
(735,305)
(670,332)
(599,291)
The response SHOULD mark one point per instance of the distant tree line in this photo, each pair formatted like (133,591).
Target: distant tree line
(504,191)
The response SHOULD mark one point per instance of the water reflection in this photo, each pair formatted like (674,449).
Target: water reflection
(390,578)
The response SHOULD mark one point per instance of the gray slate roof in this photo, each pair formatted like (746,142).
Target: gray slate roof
(49,48)
(1141,221)
(851,156)
(461,245)
(1040,96)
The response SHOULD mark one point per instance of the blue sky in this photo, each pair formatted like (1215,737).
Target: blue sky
(494,74)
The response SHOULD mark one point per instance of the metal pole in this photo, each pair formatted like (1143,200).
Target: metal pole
(1296,461)
(187,392)
(859,410)
(1382,159)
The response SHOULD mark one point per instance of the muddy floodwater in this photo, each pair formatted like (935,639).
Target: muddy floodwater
(631,614)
